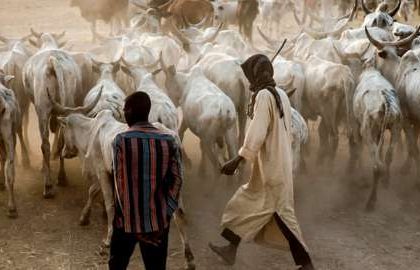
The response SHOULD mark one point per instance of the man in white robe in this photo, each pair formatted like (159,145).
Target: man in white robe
(263,209)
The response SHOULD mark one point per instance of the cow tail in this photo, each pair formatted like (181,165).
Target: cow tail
(387,113)
(348,87)
(58,73)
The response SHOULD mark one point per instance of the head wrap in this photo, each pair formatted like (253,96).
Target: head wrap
(259,72)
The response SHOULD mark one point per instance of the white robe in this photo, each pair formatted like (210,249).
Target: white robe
(250,212)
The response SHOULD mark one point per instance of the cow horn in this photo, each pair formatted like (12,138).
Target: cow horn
(186,41)
(299,21)
(365,8)
(3,39)
(398,43)
(162,63)
(64,111)
(267,39)
(375,42)
(196,25)
(35,34)
(320,35)
(291,92)
(165,5)
(393,12)
(134,3)
(59,36)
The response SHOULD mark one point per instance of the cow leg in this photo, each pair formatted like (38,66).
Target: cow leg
(46,152)
(374,150)
(62,176)
(231,142)
(24,150)
(323,141)
(395,132)
(94,190)
(180,222)
(181,133)
(105,181)
(411,134)
(209,154)
(93,31)
(9,173)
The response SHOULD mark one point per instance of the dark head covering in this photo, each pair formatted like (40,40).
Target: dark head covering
(259,72)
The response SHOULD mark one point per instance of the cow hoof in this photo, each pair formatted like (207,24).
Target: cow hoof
(62,180)
(370,207)
(48,192)
(12,213)
(84,221)
(190,266)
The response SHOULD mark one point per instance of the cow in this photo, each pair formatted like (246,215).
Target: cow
(226,72)
(208,112)
(163,109)
(10,119)
(112,96)
(109,11)
(11,62)
(329,99)
(91,139)
(54,69)
(182,12)
(300,135)
(376,109)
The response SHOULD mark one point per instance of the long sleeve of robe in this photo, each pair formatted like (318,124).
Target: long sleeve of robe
(250,212)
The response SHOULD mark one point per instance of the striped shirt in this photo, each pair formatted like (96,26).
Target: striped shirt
(148,177)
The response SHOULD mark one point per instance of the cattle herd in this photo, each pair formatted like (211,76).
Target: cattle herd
(354,73)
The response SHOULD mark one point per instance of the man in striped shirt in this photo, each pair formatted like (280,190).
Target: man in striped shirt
(148,179)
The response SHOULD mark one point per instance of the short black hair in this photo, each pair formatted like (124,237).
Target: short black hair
(137,108)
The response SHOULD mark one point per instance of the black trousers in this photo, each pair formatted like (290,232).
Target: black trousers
(300,256)
(122,247)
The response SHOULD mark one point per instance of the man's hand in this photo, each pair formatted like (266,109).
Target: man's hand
(230,167)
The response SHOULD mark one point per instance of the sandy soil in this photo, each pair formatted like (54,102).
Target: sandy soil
(329,201)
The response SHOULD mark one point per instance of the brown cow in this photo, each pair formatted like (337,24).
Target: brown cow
(183,12)
(247,13)
(109,11)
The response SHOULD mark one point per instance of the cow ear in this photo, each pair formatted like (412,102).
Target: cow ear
(63,121)
(34,43)
(95,68)
(383,54)
(126,70)
(8,79)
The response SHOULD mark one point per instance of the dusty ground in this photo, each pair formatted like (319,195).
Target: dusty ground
(329,201)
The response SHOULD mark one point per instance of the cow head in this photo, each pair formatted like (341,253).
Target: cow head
(388,58)
(41,40)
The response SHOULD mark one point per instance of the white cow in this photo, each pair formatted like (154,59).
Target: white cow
(163,109)
(300,134)
(10,119)
(91,139)
(208,112)
(55,70)
(226,72)
(376,109)
(12,62)
(328,94)
(112,97)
